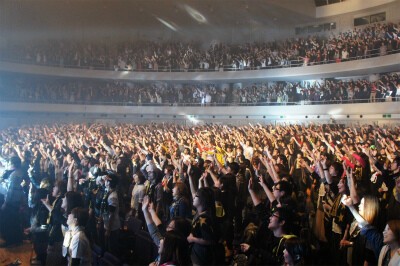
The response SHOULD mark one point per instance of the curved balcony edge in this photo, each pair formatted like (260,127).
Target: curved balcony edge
(275,111)
(380,64)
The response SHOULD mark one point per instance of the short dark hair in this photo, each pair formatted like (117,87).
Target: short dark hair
(397,160)
(296,249)
(286,187)
(207,199)
(285,214)
(62,186)
(149,156)
(338,168)
(182,226)
(176,249)
(113,178)
(81,215)
(74,199)
(283,159)
(15,161)
(170,168)
(141,177)
(234,167)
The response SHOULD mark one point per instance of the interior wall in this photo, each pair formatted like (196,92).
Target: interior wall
(272,112)
(17,120)
(12,29)
(348,6)
(345,22)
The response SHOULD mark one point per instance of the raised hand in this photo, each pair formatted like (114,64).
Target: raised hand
(261,180)
(145,203)
(346,200)
(250,185)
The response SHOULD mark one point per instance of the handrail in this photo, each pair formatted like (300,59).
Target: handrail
(289,64)
(196,104)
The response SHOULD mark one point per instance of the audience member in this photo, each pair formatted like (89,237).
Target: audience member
(296,208)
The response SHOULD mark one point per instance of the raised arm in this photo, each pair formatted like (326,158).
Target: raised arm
(219,165)
(152,227)
(269,193)
(346,200)
(71,181)
(256,200)
(213,176)
(352,186)
(193,189)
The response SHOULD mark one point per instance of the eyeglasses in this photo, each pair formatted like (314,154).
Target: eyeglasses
(275,215)
(276,188)
(170,228)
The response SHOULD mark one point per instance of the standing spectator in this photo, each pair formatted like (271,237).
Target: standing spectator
(374,89)
(181,206)
(10,219)
(295,252)
(365,249)
(138,193)
(110,213)
(389,254)
(203,237)
(76,246)
(55,221)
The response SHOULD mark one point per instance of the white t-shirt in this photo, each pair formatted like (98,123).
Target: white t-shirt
(77,246)
(116,223)
(138,194)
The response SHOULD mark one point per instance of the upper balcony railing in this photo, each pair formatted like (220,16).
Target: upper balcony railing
(163,69)
(184,103)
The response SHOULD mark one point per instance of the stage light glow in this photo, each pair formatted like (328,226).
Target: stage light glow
(196,15)
(335,111)
(167,24)
(124,73)
(192,119)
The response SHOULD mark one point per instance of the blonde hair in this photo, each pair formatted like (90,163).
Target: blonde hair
(371,209)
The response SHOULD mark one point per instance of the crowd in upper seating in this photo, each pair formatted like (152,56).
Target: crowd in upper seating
(32,89)
(373,40)
(204,195)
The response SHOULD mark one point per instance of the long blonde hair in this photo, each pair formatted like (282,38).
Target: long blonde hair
(371,209)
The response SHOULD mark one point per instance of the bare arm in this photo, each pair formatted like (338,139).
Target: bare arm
(348,202)
(71,181)
(269,193)
(157,221)
(219,165)
(214,177)
(352,186)
(253,195)
(192,186)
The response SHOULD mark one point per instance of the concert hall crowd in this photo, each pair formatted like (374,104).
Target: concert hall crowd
(167,194)
(373,40)
(385,87)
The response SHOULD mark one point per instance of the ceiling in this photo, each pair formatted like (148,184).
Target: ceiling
(155,14)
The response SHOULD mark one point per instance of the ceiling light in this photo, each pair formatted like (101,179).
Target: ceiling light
(196,15)
(167,24)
